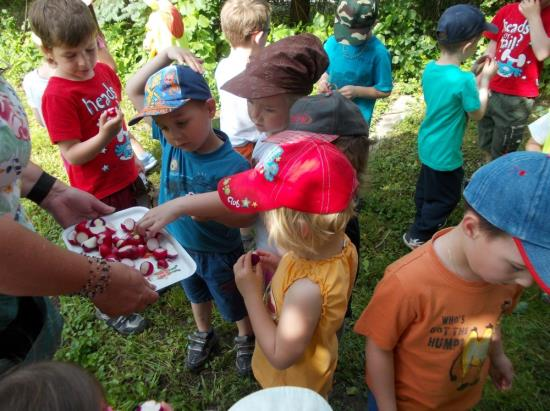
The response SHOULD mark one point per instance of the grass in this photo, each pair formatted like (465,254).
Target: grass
(151,365)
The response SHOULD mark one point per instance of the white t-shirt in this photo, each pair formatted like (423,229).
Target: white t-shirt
(34,87)
(234,120)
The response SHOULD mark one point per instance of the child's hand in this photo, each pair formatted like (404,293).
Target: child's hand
(479,64)
(157,218)
(184,56)
(348,92)
(110,125)
(490,68)
(249,279)
(530,8)
(323,85)
(269,261)
(502,372)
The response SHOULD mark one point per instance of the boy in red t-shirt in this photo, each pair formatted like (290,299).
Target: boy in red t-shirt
(520,48)
(80,109)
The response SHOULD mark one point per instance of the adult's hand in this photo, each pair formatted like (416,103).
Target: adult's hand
(128,292)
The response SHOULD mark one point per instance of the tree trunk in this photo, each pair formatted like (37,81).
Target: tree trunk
(299,11)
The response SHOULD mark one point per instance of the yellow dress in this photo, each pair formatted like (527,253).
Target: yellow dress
(335,277)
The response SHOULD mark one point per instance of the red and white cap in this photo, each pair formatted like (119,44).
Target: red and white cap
(308,175)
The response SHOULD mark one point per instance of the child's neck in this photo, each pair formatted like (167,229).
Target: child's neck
(450,250)
(211,144)
(243,51)
(454,59)
(329,250)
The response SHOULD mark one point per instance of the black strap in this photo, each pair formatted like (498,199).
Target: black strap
(41,188)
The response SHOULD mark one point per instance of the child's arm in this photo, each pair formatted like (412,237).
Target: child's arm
(532,145)
(540,42)
(80,152)
(323,85)
(283,343)
(490,68)
(380,368)
(363,92)
(135,87)
(203,206)
(501,370)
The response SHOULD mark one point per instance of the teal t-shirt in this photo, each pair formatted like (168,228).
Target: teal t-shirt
(449,94)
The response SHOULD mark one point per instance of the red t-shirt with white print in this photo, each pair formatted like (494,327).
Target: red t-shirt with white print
(519,70)
(71,111)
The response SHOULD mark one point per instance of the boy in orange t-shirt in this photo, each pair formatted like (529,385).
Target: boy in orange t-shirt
(433,324)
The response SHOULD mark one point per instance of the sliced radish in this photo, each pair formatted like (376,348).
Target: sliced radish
(105,250)
(96,222)
(162,264)
(160,254)
(82,227)
(141,251)
(128,225)
(127,261)
(71,238)
(128,251)
(120,243)
(255,258)
(171,251)
(152,244)
(111,258)
(81,237)
(110,228)
(96,230)
(90,244)
(105,239)
(146,268)
(135,239)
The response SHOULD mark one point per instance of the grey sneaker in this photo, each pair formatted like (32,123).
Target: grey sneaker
(410,242)
(199,348)
(245,348)
(125,325)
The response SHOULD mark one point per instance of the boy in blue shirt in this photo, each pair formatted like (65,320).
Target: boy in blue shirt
(360,65)
(451,97)
(194,158)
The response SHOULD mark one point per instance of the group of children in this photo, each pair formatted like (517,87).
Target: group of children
(432,325)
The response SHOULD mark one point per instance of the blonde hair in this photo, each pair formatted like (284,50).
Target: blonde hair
(305,233)
(241,18)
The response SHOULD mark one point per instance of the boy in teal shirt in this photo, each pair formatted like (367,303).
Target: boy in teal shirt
(451,97)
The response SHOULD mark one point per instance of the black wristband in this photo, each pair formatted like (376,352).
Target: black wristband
(41,188)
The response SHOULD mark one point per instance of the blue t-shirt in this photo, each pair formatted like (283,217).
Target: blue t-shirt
(367,65)
(184,173)
(449,93)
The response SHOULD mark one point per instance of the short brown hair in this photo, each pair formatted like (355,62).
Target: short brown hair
(484,225)
(241,18)
(356,149)
(62,22)
(455,47)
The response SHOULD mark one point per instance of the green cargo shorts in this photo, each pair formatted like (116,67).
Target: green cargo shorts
(502,128)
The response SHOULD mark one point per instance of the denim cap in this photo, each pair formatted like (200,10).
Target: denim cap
(462,22)
(513,194)
(354,20)
(169,89)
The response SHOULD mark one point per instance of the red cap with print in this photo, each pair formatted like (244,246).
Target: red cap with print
(308,175)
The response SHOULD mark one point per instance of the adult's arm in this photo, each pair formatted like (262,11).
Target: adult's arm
(32,266)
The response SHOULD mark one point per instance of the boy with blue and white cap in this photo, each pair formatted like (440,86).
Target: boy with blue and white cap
(433,324)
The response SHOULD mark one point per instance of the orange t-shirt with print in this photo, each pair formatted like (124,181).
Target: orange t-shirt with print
(439,327)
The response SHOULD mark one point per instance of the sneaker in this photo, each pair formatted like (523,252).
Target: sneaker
(412,243)
(125,325)
(148,161)
(199,348)
(245,348)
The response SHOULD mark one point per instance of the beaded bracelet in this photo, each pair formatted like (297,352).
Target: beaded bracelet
(95,286)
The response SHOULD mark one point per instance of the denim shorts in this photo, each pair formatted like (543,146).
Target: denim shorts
(214,280)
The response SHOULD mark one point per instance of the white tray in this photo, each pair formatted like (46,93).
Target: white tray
(179,268)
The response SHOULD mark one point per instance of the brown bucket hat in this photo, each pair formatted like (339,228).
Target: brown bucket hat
(289,66)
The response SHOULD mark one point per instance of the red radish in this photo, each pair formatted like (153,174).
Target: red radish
(120,243)
(105,239)
(141,250)
(136,239)
(255,259)
(110,228)
(160,254)
(128,251)
(146,268)
(128,225)
(82,227)
(111,112)
(105,250)
(90,244)
(96,222)
(152,244)
(171,251)
(111,258)
(162,264)
(127,261)
(81,237)
(71,238)
(96,230)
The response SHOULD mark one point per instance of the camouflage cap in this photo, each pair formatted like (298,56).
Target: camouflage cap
(354,20)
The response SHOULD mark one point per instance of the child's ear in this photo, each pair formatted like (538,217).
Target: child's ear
(470,225)
(211,107)
(48,54)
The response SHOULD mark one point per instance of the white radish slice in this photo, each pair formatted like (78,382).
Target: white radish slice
(171,251)
(152,244)
(98,229)
(128,251)
(97,222)
(146,268)
(111,258)
(128,225)
(90,244)
(127,261)
(120,243)
(71,238)
(150,405)
(110,228)
(81,237)
(160,254)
